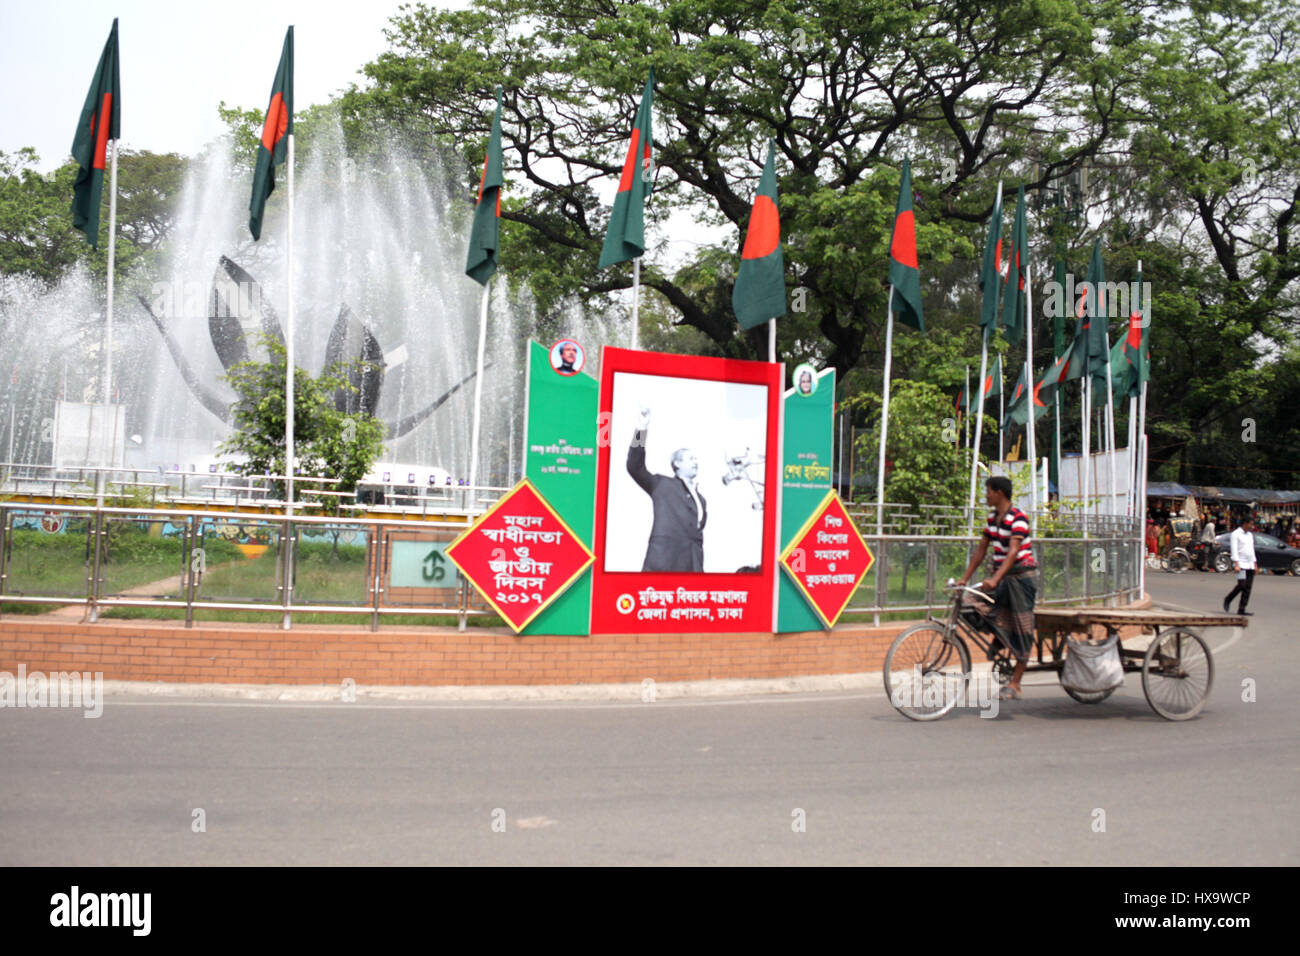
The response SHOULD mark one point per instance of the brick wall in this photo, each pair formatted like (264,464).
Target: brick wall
(258,654)
(227,653)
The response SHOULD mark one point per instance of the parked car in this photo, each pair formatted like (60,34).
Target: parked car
(1270,554)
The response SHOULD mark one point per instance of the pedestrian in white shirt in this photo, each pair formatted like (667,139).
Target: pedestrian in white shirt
(1242,543)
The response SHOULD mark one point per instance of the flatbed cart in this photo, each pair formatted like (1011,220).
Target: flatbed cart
(928,667)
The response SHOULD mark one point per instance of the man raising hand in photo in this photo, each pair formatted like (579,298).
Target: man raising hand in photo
(677,536)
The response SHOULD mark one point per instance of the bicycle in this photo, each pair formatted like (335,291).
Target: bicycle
(928,666)
(935,653)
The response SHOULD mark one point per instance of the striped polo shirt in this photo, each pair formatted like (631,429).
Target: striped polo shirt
(1014,522)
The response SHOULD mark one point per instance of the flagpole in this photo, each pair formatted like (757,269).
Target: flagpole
(1142,442)
(1110,430)
(1057,397)
(288,393)
(1132,454)
(1135,426)
(771,340)
(842,490)
(1142,564)
(1002,414)
(1029,378)
(108,324)
(967,406)
(1086,409)
(884,414)
(979,428)
(478,391)
(636,300)
(289,346)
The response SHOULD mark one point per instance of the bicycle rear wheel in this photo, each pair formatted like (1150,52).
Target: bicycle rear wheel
(926,671)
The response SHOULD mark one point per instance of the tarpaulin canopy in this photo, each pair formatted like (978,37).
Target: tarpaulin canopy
(1240,494)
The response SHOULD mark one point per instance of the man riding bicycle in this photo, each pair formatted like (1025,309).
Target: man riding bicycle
(1013,581)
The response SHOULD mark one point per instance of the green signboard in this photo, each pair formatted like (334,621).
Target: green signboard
(560,461)
(805,479)
(421,564)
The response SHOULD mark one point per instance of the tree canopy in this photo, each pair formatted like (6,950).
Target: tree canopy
(1179,117)
(1168,129)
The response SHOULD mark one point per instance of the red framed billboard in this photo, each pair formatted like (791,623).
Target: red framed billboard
(687,494)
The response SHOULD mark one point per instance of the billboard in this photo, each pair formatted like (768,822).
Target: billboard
(687,495)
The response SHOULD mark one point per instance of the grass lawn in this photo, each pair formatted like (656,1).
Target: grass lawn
(57,565)
(325,575)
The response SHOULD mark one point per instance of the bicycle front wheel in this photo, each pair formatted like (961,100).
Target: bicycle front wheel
(926,671)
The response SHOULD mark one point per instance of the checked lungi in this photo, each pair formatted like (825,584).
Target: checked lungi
(1012,609)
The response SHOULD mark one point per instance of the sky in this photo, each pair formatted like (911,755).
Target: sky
(179,59)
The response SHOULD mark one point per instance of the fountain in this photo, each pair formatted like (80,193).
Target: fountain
(378,274)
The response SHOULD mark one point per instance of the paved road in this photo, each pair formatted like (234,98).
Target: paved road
(713,781)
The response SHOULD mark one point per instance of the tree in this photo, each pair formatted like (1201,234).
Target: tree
(36,234)
(845,93)
(925,462)
(327,442)
(1210,184)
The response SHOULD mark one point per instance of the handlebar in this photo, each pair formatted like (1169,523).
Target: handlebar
(952,585)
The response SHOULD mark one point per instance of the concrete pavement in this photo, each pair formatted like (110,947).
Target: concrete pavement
(831,777)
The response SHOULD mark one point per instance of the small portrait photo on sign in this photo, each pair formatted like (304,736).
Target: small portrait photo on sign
(805,380)
(686,475)
(567,357)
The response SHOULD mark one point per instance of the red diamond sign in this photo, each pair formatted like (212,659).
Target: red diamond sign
(520,555)
(828,559)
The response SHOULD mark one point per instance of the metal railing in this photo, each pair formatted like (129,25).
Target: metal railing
(910,572)
(179,489)
(195,561)
(204,560)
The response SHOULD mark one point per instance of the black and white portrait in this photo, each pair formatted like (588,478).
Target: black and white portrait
(686,475)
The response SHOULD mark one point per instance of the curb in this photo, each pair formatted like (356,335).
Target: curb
(647,690)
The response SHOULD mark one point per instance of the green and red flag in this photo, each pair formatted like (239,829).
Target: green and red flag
(100,121)
(1014,298)
(481,262)
(1074,361)
(1136,346)
(1058,319)
(1058,349)
(963,399)
(625,237)
(991,268)
(1097,324)
(993,381)
(759,293)
(904,272)
(1018,410)
(273,150)
(1119,372)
